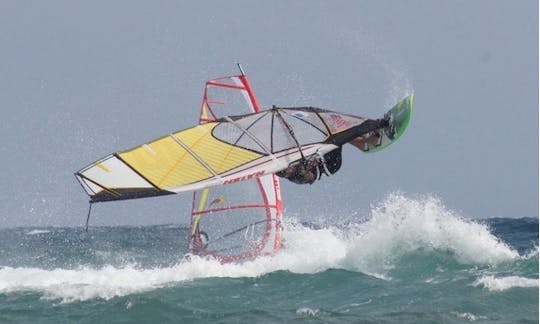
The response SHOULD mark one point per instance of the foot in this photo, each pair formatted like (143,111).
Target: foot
(389,128)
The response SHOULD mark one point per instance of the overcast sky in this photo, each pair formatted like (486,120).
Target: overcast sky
(79,80)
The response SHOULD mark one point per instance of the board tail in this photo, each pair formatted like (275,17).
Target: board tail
(398,120)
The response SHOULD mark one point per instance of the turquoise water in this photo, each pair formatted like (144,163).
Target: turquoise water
(409,260)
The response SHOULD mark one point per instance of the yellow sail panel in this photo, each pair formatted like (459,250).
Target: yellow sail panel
(185,157)
(169,165)
(219,156)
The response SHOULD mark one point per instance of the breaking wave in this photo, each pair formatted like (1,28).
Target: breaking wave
(397,227)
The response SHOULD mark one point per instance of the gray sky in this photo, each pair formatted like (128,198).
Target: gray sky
(79,80)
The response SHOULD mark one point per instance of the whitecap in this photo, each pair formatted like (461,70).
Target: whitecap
(493,283)
(470,316)
(307,312)
(37,231)
(400,225)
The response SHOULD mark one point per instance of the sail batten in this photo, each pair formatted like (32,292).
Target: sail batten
(201,161)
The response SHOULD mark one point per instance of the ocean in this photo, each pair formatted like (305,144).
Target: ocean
(409,260)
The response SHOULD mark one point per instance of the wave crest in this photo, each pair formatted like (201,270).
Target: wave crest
(400,225)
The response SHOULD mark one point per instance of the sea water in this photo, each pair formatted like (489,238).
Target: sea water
(408,261)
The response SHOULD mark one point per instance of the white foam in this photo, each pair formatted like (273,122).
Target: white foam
(37,231)
(492,283)
(303,253)
(470,316)
(307,312)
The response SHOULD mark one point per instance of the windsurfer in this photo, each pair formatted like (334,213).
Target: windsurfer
(309,169)
(302,172)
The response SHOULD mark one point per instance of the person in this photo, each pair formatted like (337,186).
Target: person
(300,172)
(310,169)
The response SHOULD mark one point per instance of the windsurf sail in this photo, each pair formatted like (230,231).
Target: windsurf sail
(242,220)
(225,151)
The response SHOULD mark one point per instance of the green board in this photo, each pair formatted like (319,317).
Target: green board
(400,115)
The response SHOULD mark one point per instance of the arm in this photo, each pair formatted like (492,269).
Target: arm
(360,131)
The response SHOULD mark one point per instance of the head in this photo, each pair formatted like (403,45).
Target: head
(305,172)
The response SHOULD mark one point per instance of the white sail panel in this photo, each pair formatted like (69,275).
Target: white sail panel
(111,173)
(338,122)
(272,130)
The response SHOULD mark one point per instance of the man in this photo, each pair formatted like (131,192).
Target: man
(308,170)
(368,135)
